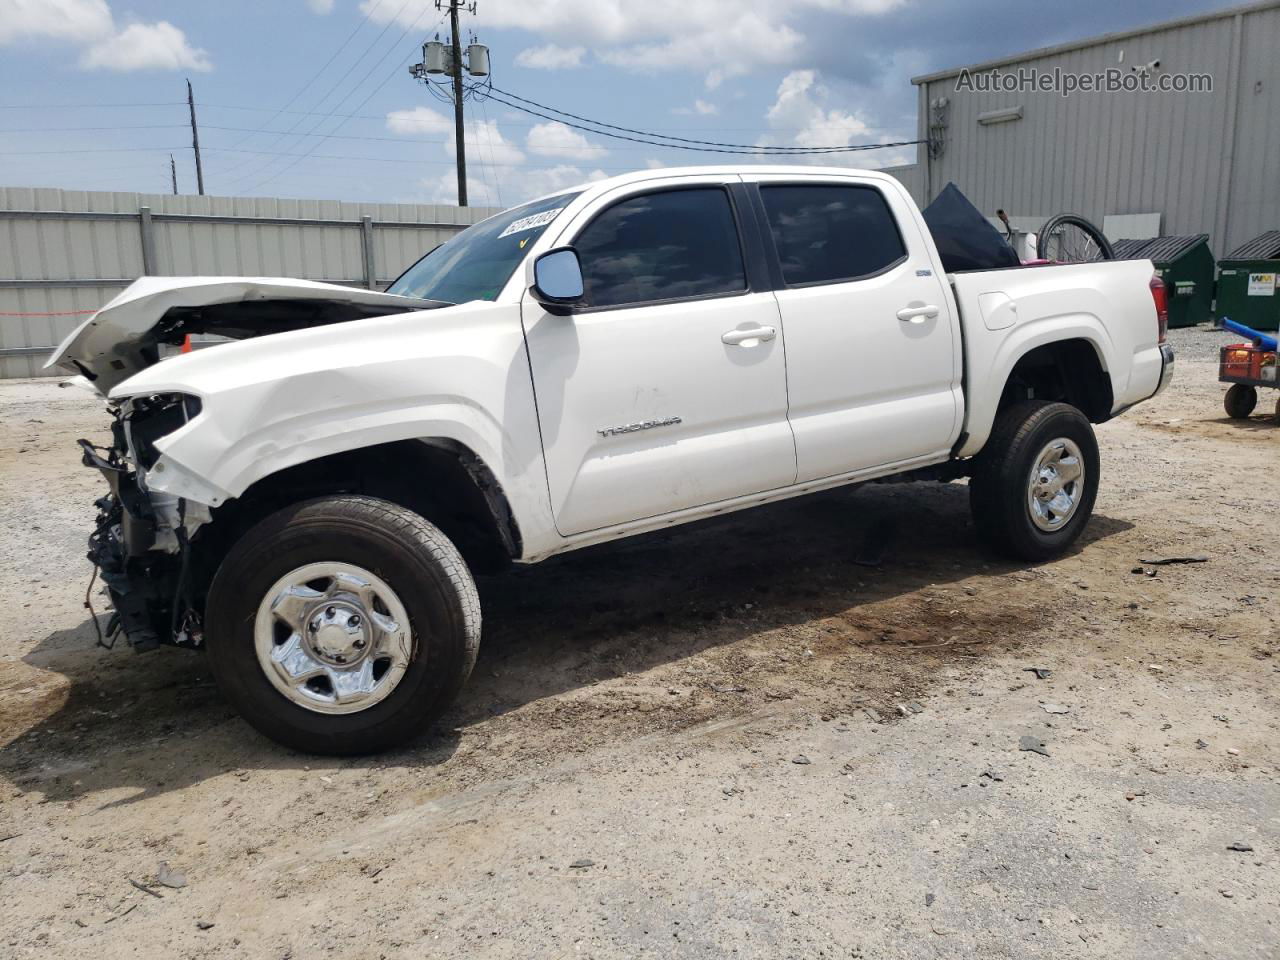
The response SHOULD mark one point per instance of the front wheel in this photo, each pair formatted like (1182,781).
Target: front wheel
(343,625)
(1240,401)
(1035,482)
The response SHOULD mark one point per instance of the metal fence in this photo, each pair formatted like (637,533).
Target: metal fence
(64,253)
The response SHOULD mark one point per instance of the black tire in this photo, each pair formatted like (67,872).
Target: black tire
(1240,401)
(999,487)
(1099,246)
(413,557)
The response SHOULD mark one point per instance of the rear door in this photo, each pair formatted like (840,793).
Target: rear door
(667,390)
(873,351)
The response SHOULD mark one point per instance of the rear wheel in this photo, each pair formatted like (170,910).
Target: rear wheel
(1035,482)
(343,625)
(1240,401)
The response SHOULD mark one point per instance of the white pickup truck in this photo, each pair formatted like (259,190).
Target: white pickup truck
(308,503)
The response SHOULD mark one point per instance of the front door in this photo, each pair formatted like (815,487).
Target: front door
(667,389)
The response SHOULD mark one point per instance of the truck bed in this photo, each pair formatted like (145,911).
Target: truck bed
(1004,313)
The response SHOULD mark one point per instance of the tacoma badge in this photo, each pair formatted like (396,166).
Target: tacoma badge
(641,425)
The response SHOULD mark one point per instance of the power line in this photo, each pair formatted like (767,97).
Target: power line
(316,76)
(338,83)
(414,161)
(506,122)
(315,156)
(87,106)
(488,135)
(33,153)
(362,116)
(657,139)
(127,126)
(289,166)
(213,126)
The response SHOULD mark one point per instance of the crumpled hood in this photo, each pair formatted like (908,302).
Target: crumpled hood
(121,338)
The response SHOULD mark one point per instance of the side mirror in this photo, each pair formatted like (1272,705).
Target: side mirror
(557,280)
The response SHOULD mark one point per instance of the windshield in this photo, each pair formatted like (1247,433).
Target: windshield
(477,263)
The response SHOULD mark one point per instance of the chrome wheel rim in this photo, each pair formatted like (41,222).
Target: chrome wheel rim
(333,638)
(1056,484)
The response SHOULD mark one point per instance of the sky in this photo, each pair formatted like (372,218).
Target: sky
(313,98)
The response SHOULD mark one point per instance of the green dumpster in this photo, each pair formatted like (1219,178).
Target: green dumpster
(1247,289)
(1186,266)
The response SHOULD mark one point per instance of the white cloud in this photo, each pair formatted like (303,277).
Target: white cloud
(856,6)
(741,42)
(485,144)
(90,24)
(557,140)
(321,6)
(443,188)
(506,188)
(799,110)
(419,120)
(800,116)
(146,46)
(76,20)
(550,57)
(736,35)
(483,139)
(540,180)
(700,107)
(498,170)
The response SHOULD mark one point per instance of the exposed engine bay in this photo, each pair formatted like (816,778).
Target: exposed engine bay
(127,334)
(141,544)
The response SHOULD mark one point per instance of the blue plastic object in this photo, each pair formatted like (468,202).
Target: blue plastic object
(1259,339)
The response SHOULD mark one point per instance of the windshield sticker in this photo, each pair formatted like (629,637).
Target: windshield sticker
(531,221)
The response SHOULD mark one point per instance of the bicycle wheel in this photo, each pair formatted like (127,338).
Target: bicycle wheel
(1068,238)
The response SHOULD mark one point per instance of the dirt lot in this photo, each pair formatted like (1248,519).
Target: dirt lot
(669,747)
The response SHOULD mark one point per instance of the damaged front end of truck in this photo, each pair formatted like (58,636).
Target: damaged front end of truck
(155,549)
(141,540)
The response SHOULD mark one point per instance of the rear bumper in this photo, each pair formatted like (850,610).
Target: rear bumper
(1167,358)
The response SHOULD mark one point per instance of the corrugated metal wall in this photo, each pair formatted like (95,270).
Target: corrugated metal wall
(48,264)
(1206,161)
(910,176)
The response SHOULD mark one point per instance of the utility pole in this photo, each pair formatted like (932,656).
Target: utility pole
(173,173)
(195,141)
(439,59)
(458,132)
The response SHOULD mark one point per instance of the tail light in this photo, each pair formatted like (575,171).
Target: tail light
(1160,294)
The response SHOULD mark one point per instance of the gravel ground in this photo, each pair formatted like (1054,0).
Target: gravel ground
(1201,343)
(690,744)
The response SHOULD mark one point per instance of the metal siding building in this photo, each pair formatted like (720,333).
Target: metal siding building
(1207,162)
(910,176)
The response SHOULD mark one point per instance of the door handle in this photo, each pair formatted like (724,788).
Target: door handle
(742,337)
(917,314)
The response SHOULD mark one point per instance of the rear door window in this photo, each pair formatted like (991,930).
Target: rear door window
(825,233)
(662,246)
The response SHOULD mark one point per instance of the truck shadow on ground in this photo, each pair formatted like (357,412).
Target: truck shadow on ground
(150,723)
